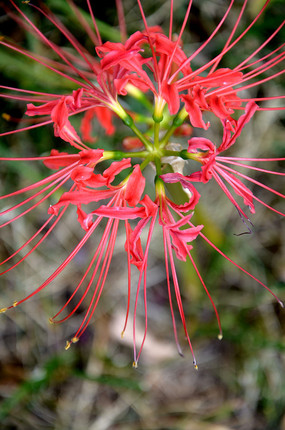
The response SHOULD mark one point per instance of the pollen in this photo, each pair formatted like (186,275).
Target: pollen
(51,321)
(195,364)
(3,310)
(67,345)
(75,339)
(15,304)
(122,334)
(135,364)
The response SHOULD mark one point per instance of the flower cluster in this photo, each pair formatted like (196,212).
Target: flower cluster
(105,187)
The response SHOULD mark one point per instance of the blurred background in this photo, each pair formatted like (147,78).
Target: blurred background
(240,382)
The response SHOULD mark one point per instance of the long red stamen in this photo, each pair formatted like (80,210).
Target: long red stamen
(169,295)
(156,71)
(143,272)
(208,294)
(228,194)
(36,245)
(61,173)
(43,63)
(72,41)
(170,20)
(189,59)
(239,267)
(253,180)
(99,253)
(62,181)
(240,66)
(169,61)
(101,280)
(129,278)
(84,23)
(63,265)
(94,22)
(201,69)
(99,250)
(121,17)
(215,65)
(178,297)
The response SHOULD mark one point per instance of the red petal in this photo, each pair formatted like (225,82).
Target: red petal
(59,160)
(135,186)
(195,113)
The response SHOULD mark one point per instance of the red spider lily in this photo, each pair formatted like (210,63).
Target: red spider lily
(211,167)
(174,239)
(86,188)
(123,64)
(151,67)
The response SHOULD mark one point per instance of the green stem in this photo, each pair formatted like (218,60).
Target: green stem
(158,166)
(119,155)
(141,136)
(127,119)
(156,135)
(145,162)
(151,156)
(178,120)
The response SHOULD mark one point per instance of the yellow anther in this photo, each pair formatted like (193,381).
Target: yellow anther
(220,336)
(135,364)
(15,304)
(3,310)
(122,334)
(196,367)
(6,116)
(75,339)
(67,346)
(51,321)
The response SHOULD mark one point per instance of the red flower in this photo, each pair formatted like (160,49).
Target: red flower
(212,167)
(168,89)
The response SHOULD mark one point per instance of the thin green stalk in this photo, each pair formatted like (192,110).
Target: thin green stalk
(141,136)
(119,155)
(177,122)
(156,135)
